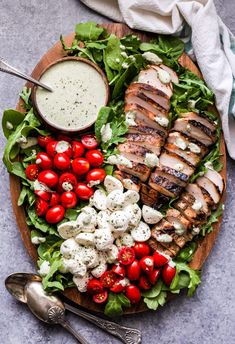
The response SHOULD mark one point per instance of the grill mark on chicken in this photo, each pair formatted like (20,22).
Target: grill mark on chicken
(139,170)
(203,128)
(152,197)
(164,185)
(122,175)
(158,247)
(153,144)
(207,122)
(142,128)
(171,159)
(188,157)
(178,174)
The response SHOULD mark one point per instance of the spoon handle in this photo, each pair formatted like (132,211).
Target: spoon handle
(71,330)
(6,68)
(127,335)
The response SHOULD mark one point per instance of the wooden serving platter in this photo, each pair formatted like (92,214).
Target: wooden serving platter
(204,248)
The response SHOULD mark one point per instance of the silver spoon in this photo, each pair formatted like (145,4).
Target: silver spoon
(6,68)
(18,283)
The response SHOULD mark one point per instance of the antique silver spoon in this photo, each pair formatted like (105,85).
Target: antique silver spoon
(6,68)
(18,285)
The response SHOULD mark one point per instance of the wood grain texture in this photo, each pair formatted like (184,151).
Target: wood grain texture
(204,248)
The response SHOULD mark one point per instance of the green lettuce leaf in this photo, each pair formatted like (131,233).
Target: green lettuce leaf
(115,304)
(88,31)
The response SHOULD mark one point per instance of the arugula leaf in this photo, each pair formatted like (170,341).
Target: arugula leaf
(115,304)
(154,291)
(178,282)
(11,117)
(26,194)
(131,43)
(88,31)
(25,96)
(213,218)
(113,55)
(186,253)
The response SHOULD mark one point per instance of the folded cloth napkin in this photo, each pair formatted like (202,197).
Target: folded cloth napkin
(209,41)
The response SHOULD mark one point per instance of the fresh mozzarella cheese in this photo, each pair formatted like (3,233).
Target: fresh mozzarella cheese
(119,221)
(115,200)
(84,222)
(125,240)
(103,239)
(112,254)
(150,215)
(85,238)
(103,218)
(98,200)
(141,233)
(75,266)
(90,257)
(69,248)
(44,268)
(131,197)
(133,212)
(68,229)
(81,282)
(112,183)
(98,271)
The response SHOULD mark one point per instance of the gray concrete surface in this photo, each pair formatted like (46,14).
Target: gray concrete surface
(27,30)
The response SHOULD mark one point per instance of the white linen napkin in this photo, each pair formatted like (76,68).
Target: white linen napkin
(210,41)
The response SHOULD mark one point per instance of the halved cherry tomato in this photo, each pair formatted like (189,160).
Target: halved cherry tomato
(51,148)
(44,161)
(141,249)
(67,181)
(100,297)
(41,207)
(168,273)
(94,286)
(126,255)
(64,147)
(119,286)
(49,178)
(96,175)
(89,141)
(32,171)
(147,264)
(55,199)
(68,199)
(108,279)
(62,137)
(61,161)
(119,270)
(143,283)
(153,276)
(55,214)
(78,149)
(43,194)
(80,166)
(95,157)
(83,191)
(44,140)
(133,270)
(133,293)
(160,259)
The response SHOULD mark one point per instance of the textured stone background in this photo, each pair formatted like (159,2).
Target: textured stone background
(27,30)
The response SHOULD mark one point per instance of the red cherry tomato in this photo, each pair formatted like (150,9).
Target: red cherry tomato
(51,148)
(80,166)
(32,171)
(119,270)
(83,191)
(141,249)
(68,199)
(100,297)
(62,137)
(55,199)
(133,270)
(64,147)
(119,286)
(108,279)
(147,264)
(96,175)
(95,157)
(160,259)
(133,293)
(89,141)
(126,255)
(168,273)
(41,207)
(143,283)
(61,161)
(67,182)
(43,194)
(44,140)
(153,276)
(94,286)
(44,161)
(78,149)
(55,214)
(49,178)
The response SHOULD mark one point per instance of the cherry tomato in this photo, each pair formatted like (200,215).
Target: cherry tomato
(83,191)
(68,199)
(49,178)
(64,147)
(94,286)
(108,279)
(143,283)
(89,141)
(95,157)
(55,214)
(133,270)
(141,249)
(100,297)
(78,149)
(160,259)
(44,140)
(61,161)
(119,286)
(168,273)
(153,276)
(62,137)
(119,270)
(126,255)
(55,199)
(96,175)
(41,207)
(80,166)
(147,264)
(133,293)
(51,148)
(44,161)
(43,194)
(32,171)
(67,181)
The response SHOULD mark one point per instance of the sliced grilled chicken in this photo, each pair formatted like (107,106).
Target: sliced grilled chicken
(133,152)
(162,231)
(185,206)
(190,145)
(210,187)
(173,161)
(139,170)
(149,76)
(158,247)
(177,220)
(181,177)
(199,118)
(160,171)
(152,197)
(173,75)
(190,158)
(129,181)
(142,128)
(215,178)
(196,192)
(164,185)
(150,142)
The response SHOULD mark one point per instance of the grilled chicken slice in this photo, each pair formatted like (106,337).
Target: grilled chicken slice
(181,177)
(151,92)
(164,185)
(210,187)
(161,171)
(216,179)
(149,76)
(129,181)
(199,118)
(150,142)
(139,170)
(133,152)
(190,144)
(190,158)
(174,217)
(142,128)
(196,192)
(158,247)
(173,75)
(152,197)
(173,161)
(185,206)
(158,231)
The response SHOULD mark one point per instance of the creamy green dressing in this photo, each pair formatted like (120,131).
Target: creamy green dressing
(78,93)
